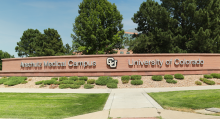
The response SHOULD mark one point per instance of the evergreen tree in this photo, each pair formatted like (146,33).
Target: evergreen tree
(4,55)
(33,43)
(193,25)
(23,47)
(99,26)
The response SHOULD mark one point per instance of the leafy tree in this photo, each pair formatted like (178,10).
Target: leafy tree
(28,37)
(99,26)
(33,44)
(68,49)
(178,26)
(4,55)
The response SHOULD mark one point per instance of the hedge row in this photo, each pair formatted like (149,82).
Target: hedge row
(11,81)
(209,82)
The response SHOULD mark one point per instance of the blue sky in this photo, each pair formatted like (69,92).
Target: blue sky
(16,16)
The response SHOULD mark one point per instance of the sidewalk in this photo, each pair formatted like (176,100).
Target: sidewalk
(125,103)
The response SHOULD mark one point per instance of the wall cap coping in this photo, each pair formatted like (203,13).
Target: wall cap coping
(115,55)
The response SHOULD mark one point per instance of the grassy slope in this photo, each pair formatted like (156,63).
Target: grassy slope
(188,99)
(41,105)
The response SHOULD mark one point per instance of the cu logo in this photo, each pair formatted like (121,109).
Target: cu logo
(112,62)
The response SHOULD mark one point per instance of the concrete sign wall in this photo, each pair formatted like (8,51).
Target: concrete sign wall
(112,65)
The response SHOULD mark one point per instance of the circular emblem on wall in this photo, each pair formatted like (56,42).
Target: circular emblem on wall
(112,62)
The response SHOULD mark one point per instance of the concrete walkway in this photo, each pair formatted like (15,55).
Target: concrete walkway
(128,102)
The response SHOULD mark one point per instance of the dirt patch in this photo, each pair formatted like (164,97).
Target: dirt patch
(148,83)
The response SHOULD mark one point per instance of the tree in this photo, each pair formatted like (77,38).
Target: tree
(68,49)
(179,26)
(4,55)
(28,37)
(99,26)
(33,43)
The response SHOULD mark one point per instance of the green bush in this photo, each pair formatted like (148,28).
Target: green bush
(57,82)
(103,80)
(74,78)
(67,82)
(215,75)
(23,82)
(2,80)
(201,79)
(171,81)
(85,78)
(157,78)
(168,76)
(126,77)
(39,82)
(125,81)
(88,86)
(63,78)
(135,77)
(208,76)
(209,82)
(62,86)
(74,86)
(198,83)
(91,81)
(79,82)
(14,80)
(113,81)
(136,82)
(48,82)
(178,76)
(54,78)
(112,85)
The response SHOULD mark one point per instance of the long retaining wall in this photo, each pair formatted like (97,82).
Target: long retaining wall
(112,65)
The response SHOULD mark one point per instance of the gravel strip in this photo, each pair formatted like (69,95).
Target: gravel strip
(148,83)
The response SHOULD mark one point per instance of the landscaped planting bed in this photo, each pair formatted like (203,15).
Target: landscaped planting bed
(189,80)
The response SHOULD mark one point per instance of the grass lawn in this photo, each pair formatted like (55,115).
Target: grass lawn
(200,99)
(49,105)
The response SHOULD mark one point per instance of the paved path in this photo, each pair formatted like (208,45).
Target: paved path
(128,102)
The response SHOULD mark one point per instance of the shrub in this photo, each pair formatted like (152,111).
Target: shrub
(74,78)
(74,86)
(201,79)
(171,81)
(2,80)
(198,83)
(39,82)
(48,82)
(57,82)
(178,76)
(41,85)
(85,78)
(113,81)
(125,81)
(112,85)
(168,76)
(62,86)
(207,76)
(157,78)
(103,80)
(136,82)
(126,77)
(135,77)
(88,86)
(14,80)
(54,78)
(91,81)
(209,82)
(23,82)
(67,82)
(63,78)
(79,82)
(215,75)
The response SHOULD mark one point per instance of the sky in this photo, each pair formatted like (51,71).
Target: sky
(16,16)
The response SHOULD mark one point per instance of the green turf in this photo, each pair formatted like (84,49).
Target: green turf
(188,99)
(49,105)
